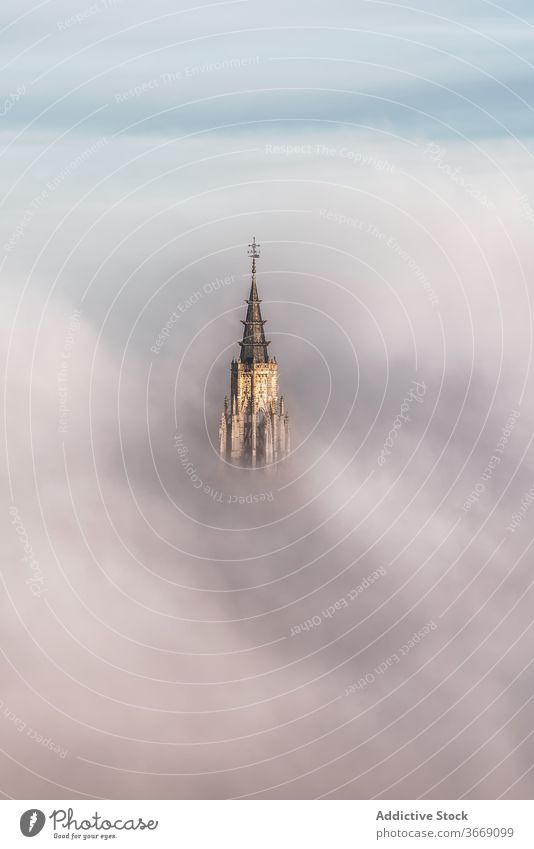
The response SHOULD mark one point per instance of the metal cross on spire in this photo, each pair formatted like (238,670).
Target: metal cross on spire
(254,249)
(254,252)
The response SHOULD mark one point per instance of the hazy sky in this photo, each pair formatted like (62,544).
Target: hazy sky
(358,622)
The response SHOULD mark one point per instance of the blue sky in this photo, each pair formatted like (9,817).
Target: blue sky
(75,58)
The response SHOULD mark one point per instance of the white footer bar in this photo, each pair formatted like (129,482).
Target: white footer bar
(268,824)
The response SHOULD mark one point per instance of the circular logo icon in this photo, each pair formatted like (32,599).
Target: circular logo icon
(32,822)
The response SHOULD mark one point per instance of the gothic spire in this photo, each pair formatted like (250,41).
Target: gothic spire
(254,345)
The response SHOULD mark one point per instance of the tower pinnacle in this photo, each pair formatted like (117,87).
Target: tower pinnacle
(254,426)
(254,345)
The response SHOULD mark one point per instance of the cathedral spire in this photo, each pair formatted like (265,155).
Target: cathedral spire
(254,345)
(254,425)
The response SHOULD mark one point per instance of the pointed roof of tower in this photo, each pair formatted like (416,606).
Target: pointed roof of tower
(254,344)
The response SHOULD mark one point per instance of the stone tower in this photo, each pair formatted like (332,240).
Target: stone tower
(254,427)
